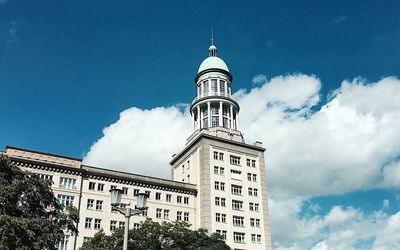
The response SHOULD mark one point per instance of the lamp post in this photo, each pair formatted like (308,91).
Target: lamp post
(141,201)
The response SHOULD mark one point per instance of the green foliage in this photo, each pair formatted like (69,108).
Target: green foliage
(30,217)
(153,235)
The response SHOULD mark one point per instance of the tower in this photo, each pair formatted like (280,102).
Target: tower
(229,173)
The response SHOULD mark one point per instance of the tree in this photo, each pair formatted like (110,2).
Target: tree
(30,217)
(153,235)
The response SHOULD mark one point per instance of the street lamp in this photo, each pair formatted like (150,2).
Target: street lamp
(141,200)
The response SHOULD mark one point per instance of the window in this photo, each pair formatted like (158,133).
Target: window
(225,122)
(258,238)
(255,191)
(222,87)
(219,186)
(205,87)
(218,156)
(121,224)
(218,217)
(253,163)
(222,233)
(88,223)
(252,222)
(249,176)
(237,205)
(135,192)
(168,197)
(254,206)
(148,194)
(248,162)
(217,201)
(166,214)
(251,191)
(236,175)
(179,199)
(254,177)
(238,237)
(235,160)
(251,206)
(223,218)
(125,190)
(178,215)
(158,196)
(97,223)
(214,110)
(258,223)
(238,221)
(214,86)
(63,243)
(236,190)
(65,200)
(221,171)
(223,201)
(99,205)
(186,200)
(222,186)
(85,239)
(253,238)
(46,177)
(214,121)
(92,185)
(158,213)
(68,183)
(100,187)
(90,204)
(186,216)
(113,225)
(136,226)
(216,170)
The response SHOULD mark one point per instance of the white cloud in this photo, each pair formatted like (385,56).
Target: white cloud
(349,143)
(258,79)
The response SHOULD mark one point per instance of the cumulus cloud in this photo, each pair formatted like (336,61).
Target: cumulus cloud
(348,142)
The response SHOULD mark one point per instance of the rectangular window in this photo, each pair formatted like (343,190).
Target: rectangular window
(186,216)
(237,205)
(92,185)
(238,237)
(236,175)
(251,206)
(256,207)
(218,217)
(178,215)
(258,224)
(253,238)
(223,201)
(158,196)
(148,194)
(254,177)
(251,191)
(216,170)
(97,223)
(121,224)
(222,87)
(158,212)
(205,122)
(235,160)
(217,201)
(136,226)
(179,199)
(125,190)
(88,223)
(99,205)
(255,191)
(249,176)
(100,187)
(221,171)
(216,185)
(214,110)
(214,86)
(258,238)
(63,243)
(205,87)
(248,162)
(252,222)
(90,204)
(223,218)
(46,177)
(65,200)
(219,186)
(253,163)
(168,197)
(238,221)
(113,225)
(186,200)
(222,233)
(68,183)
(215,155)
(225,122)
(221,156)
(214,121)
(166,214)
(135,192)
(236,190)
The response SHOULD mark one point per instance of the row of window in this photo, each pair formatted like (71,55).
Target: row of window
(235,189)
(168,197)
(239,237)
(233,159)
(65,200)
(160,213)
(235,174)
(88,223)
(238,221)
(212,86)
(236,205)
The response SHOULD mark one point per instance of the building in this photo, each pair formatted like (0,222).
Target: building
(218,181)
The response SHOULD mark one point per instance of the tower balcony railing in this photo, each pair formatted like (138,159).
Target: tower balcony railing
(211,94)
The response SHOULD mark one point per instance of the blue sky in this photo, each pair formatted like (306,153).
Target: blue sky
(69,68)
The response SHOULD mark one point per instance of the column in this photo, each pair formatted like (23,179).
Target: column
(231,117)
(220,115)
(226,88)
(209,114)
(194,121)
(199,116)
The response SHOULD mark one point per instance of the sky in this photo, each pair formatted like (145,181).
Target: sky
(317,81)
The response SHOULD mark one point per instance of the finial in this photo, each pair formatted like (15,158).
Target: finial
(212,36)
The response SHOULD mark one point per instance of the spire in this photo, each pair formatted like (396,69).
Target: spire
(212,50)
